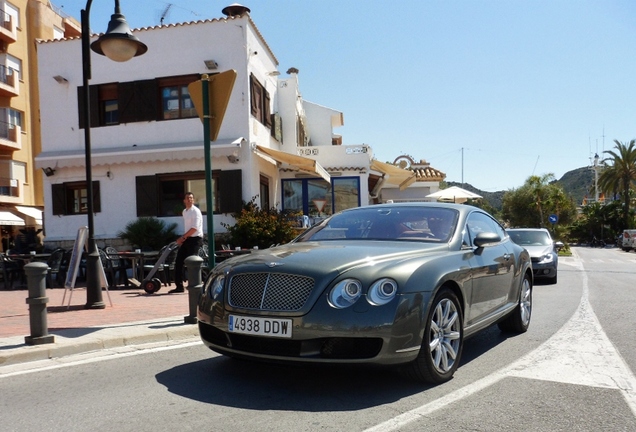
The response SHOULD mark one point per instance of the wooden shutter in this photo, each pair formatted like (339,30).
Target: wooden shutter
(137,101)
(94,105)
(146,192)
(97,197)
(58,198)
(231,191)
(256,98)
(267,117)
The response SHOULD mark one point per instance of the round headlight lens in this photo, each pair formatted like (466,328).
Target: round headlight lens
(216,287)
(382,291)
(345,293)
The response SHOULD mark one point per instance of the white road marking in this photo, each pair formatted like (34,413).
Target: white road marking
(566,357)
(91,357)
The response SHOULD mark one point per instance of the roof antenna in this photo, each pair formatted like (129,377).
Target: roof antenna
(165,13)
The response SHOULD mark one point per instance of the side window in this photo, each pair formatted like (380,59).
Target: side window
(138,101)
(162,194)
(71,198)
(259,102)
(175,97)
(480,222)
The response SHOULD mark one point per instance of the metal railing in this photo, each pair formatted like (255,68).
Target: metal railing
(7,75)
(9,187)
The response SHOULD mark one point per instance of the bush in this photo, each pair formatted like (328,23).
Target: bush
(149,233)
(261,227)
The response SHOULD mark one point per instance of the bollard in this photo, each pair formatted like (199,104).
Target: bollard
(37,300)
(193,265)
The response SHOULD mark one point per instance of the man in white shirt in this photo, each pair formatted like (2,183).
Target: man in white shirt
(190,242)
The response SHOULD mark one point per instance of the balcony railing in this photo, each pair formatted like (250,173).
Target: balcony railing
(8,81)
(6,28)
(10,136)
(9,187)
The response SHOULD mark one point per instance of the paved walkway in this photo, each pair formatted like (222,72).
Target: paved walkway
(134,318)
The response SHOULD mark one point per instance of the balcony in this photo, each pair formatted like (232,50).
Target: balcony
(10,136)
(7,29)
(8,82)
(9,191)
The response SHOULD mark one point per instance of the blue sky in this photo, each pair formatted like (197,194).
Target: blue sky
(489,92)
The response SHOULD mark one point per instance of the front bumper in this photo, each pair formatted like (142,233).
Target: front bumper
(383,335)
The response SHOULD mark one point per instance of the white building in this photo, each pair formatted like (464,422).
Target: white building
(147,141)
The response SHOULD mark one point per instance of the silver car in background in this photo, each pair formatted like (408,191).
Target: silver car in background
(543,251)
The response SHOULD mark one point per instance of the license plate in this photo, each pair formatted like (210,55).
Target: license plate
(271,327)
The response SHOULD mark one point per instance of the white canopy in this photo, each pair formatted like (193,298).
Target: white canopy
(31,212)
(453,194)
(8,218)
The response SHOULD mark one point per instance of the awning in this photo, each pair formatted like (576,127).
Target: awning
(8,218)
(31,212)
(302,163)
(397,176)
(137,153)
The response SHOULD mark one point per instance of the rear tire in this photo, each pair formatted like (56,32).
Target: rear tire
(442,343)
(519,320)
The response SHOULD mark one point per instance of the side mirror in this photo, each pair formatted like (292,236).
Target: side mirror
(485,238)
(558,245)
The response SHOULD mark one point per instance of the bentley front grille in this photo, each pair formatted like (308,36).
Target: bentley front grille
(270,291)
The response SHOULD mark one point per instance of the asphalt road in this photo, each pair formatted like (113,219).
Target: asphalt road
(572,371)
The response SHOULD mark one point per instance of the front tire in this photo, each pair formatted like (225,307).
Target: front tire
(519,320)
(442,343)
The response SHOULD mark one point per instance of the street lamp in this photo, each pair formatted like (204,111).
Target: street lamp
(118,44)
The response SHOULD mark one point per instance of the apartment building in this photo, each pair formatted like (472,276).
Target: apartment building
(22,22)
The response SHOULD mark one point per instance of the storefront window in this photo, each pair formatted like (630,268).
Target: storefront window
(317,198)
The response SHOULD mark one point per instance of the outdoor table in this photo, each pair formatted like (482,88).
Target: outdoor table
(137,261)
(27,258)
(24,259)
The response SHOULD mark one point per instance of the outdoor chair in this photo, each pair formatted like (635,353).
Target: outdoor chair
(10,271)
(56,274)
(119,265)
(109,269)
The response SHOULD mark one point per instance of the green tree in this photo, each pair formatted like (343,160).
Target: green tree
(619,175)
(149,232)
(531,204)
(261,227)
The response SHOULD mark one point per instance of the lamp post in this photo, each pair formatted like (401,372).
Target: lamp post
(118,44)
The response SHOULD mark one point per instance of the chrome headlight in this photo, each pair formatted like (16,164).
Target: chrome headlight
(345,293)
(546,259)
(215,288)
(382,291)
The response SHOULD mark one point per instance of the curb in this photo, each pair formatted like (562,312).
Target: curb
(82,340)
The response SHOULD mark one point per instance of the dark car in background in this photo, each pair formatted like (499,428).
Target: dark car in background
(543,251)
(393,284)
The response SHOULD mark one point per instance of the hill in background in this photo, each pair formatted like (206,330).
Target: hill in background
(577,184)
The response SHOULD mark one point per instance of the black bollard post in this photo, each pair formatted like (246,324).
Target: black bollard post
(37,300)
(193,265)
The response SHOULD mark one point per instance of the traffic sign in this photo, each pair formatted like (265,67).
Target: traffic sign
(553,218)
(220,90)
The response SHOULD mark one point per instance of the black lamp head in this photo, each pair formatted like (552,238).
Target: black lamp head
(118,43)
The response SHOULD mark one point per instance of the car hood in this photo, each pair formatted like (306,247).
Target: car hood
(538,251)
(330,256)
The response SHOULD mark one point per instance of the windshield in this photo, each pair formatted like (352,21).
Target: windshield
(530,238)
(430,224)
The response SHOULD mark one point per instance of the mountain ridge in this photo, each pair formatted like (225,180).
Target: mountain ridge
(577,184)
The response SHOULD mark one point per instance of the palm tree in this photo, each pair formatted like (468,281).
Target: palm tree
(620,173)
(539,185)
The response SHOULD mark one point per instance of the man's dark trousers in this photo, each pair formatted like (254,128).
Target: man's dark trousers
(189,247)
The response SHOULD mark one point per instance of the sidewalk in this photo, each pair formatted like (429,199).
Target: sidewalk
(134,318)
